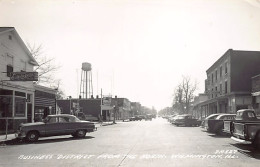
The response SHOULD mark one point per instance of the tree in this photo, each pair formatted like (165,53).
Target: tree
(46,69)
(46,66)
(184,94)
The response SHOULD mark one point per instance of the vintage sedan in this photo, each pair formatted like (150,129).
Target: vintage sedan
(135,118)
(55,125)
(186,120)
(216,125)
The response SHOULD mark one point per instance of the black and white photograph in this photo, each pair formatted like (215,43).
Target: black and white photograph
(129,83)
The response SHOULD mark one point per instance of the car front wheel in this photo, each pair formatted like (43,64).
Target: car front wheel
(81,133)
(32,136)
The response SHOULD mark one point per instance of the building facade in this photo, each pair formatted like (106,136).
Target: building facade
(228,84)
(256,93)
(16,97)
(44,102)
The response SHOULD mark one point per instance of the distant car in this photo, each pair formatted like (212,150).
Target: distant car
(55,125)
(172,118)
(135,118)
(186,120)
(148,117)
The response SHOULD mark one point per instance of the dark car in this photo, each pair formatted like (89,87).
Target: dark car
(148,117)
(217,125)
(186,120)
(135,118)
(55,125)
(212,116)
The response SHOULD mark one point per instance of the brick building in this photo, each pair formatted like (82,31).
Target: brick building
(228,84)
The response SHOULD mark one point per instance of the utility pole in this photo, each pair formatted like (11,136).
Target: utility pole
(115,110)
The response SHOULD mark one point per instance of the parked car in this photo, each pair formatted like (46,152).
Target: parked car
(55,125)
(212,116)
(186,120)
(244,115)
(246,128)
(148,117)
(171,120)
(216,125)
(135,118)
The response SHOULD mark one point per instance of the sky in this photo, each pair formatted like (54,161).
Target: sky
(138,49)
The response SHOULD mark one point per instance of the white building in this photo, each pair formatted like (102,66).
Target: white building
(16,97)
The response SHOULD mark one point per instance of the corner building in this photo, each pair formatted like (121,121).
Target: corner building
(229,84)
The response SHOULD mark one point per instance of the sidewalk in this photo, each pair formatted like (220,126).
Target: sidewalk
(4,138)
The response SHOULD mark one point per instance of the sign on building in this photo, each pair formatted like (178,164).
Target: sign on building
(24,76)
(107,100)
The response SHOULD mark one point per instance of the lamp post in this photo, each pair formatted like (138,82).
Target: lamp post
(115,110)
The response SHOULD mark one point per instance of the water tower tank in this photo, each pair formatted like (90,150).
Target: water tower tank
(86,66)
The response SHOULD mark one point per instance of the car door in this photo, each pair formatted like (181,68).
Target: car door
(51,126)
(55,126)
(64,125)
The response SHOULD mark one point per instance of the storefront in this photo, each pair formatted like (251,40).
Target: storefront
(45,102)
(16,107)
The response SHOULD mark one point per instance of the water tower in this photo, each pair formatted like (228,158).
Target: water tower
(86,87)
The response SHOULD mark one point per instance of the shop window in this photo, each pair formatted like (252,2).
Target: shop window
(6,104)
(6,92)
(20,107)
(22,94)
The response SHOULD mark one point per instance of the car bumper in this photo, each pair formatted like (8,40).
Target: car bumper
(20,135)
(240,140)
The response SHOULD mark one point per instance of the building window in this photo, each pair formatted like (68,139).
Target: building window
(20,106)
(23,66)
(9,61)
(212,77)
(220,88)
(216,75)
(6,103)
(220,71)
(9,69)
(216,91)
(10,37)
(212,93)
(226,68)
(226,87)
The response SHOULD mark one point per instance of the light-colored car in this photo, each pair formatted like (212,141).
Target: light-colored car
(55,125)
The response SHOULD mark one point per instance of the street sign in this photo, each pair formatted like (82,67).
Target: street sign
(24,76)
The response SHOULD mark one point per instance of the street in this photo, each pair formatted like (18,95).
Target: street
(136,143)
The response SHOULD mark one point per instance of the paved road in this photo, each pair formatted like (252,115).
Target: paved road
(140,143)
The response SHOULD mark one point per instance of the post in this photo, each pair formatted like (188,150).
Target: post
(101,103)
(6,128)
(115,110)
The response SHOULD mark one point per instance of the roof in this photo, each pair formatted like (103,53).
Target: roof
(227,53)
(242,110)
(20,41)
(3,29)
